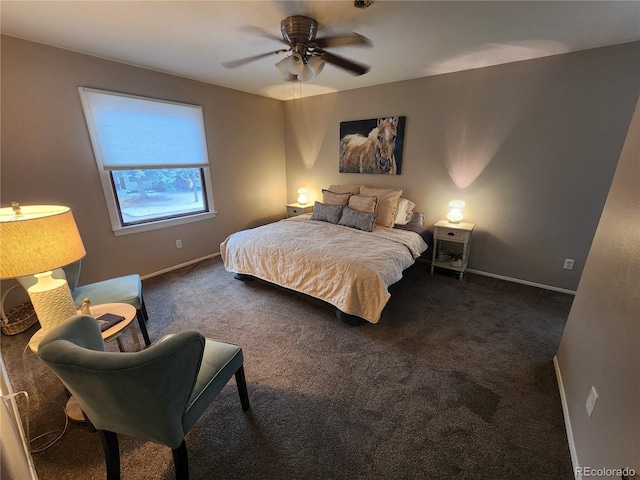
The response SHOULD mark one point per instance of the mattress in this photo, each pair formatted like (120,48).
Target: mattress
(345,267)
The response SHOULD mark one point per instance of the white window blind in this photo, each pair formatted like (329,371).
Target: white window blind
(130,132)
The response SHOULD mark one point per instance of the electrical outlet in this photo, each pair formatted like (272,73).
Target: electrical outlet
(178,243)
(591,401)
(568,263)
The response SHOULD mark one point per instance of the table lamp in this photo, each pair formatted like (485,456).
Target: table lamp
(33,241)
(302,196)
(455,212)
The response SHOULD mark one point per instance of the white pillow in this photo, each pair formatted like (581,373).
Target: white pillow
(405,211)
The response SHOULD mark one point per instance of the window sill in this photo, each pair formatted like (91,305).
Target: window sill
(147,227)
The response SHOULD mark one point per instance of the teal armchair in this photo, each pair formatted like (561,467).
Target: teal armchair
(124,289)
(156,394)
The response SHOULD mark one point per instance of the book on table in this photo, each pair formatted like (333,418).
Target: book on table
(108,320)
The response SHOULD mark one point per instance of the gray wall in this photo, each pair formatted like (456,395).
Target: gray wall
(530,146)
(601,342)
(47,155)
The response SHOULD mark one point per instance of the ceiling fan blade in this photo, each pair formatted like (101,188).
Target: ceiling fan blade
(354,39)
(263,33)
(341,62)
(244,61)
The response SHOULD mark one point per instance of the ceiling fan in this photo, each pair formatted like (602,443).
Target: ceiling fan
(308,53)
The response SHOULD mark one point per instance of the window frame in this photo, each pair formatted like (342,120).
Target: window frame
(108,187)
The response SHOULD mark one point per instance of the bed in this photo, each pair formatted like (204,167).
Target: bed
(334,262)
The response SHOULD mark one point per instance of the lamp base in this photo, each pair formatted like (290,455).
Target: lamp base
(52,301)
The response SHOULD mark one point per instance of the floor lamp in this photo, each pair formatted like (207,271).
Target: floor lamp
(33,241)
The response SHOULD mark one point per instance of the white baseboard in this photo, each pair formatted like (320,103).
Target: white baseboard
(567,420)
(175,267)
(524,282)
(470,270)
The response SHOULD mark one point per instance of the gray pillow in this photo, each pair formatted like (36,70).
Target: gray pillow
(355,219)
(326,213)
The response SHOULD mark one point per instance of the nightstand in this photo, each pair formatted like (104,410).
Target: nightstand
(451,238)
(295,209)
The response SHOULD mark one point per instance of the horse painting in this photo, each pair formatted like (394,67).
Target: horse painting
(372,153)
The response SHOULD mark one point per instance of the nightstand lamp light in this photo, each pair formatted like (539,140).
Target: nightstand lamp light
(455,212)
(302,196)
(33,241)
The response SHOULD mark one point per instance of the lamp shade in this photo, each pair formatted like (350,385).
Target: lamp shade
(306,74)
(283,66)
(35,239)
(296,64)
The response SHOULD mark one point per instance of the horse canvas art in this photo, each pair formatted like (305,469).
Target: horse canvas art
(372,146)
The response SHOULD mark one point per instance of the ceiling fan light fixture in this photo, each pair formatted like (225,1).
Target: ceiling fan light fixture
(306,74)
(296,64)
(284,67)
(316,64)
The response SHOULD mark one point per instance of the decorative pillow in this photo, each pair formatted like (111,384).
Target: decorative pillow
(363,204)
(326,213)
(388,199)
(417,218)
(405,211)
(345,188)
(355,219)
(415,225)
(333,198)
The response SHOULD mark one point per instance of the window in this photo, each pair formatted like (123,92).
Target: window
(152,157)
(150,195)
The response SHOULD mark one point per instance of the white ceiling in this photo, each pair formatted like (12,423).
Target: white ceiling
(410,39)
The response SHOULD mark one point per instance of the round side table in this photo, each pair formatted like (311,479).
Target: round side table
(123,309)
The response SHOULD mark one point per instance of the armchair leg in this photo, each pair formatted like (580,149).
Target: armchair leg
(111,453)
(143,326)
(242,388)
(144,310)
(181,462)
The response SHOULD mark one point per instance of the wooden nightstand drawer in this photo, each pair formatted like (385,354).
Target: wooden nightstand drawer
(295,209)
(453,234)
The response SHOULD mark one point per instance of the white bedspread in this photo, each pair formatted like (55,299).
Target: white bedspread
(345,267)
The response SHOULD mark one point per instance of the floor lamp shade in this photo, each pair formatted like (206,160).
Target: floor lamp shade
(33,241)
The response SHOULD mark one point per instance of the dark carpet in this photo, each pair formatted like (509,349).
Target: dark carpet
(456,381)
